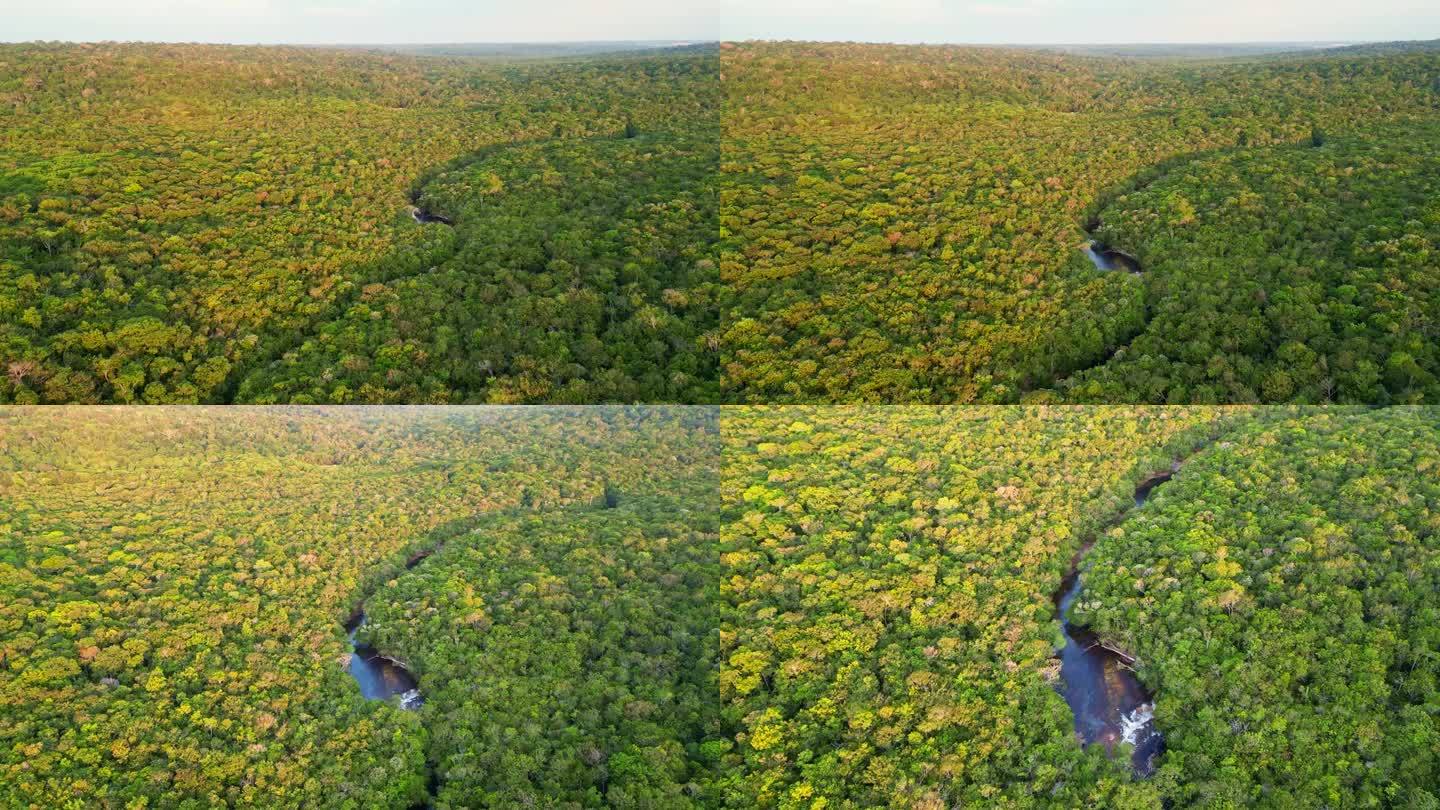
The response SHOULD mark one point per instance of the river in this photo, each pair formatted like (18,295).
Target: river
(1110,704)
(379,677)
(1111,260)
(422,216)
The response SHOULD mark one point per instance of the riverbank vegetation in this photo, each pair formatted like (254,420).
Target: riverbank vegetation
(1282,597)
(602,289)
(889,627)
(189,223)
(1300,272)
(569,658)
(174,585)
(904,223)
(765,607)
(889,632)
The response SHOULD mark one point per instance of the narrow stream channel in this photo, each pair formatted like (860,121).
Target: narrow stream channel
(1110,704)
(1108,260)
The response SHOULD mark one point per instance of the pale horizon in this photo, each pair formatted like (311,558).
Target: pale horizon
(678,42)
(361,22)
(1082,22)
(938,22)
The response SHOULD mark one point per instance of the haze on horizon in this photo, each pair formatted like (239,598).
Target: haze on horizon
(336,22)
(1081,22)
(1014,22)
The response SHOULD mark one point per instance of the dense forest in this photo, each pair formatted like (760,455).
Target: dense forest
(185,223)
(889,623)
(1307,272)
(573,656)
(888,629)
(174,585)
(685,607)
(1283,596)
(601,291)
(905,224)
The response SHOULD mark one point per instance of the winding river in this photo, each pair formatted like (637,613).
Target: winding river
(1110,704)
(380,677)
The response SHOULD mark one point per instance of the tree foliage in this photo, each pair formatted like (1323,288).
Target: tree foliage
(888,631)
(568,659)
(579,272)
(176,220)
(1283,596)
(1284,274)
(903,223)
(174,583)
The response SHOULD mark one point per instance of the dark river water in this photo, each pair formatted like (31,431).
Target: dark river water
(379,677)
(1109,703)
(423,216)
(1111,260)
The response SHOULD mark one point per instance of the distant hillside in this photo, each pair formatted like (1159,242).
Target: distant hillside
(543,50)
(1218,50)
(1388,48)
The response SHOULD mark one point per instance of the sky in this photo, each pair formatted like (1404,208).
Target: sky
(957,21)
(1081,21)
(357,21)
